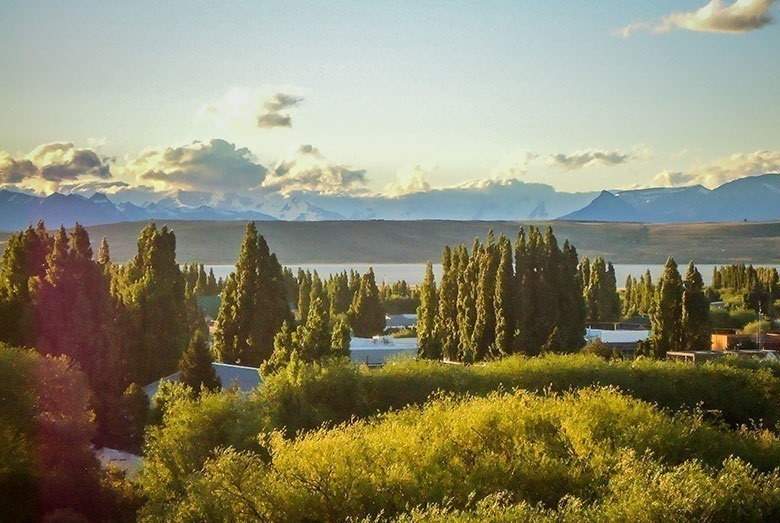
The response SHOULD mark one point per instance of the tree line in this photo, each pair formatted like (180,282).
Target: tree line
(498,299)
(123,324)
(678,308)
(755,287)
(256,325)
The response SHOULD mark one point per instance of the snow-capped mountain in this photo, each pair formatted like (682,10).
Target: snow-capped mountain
(753,198)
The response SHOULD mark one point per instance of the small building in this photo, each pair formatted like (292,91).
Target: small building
(693,356)
(400,321)
(376,351)
(617,338)
(728,341)
(245,378)
(125,461)
(702,356)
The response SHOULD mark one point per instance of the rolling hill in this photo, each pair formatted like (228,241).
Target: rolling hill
(420,241)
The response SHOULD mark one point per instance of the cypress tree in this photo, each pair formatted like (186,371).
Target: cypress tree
(152,289)
(104,254)
(628,298)
(195,365)
(467,301)
(429,346)
(304,294)
(610,296)
(446,319)
(571,323)
(284,346)
(340,339)
(648,294)
(524,294)
(340,297)
(75,317)
(367,316)
(212,289)
(503,299)
(24,258)
(666,318)
(314,336)
(484,334)
(249,319)
(201,284)
(695,312)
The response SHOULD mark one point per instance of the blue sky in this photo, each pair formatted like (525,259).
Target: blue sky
(430,93)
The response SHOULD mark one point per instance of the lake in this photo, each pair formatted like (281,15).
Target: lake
(414,273)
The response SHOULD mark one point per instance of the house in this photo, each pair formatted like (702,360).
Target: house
(245,378)
(724,341)
(622,340)
(702,356)
(376,351)
(617,338)
(400,321)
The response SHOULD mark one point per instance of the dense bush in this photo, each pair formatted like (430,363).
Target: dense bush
(304,397)
(597,453)
(731,319)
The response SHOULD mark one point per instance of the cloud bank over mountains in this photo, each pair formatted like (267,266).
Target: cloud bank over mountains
(721,170)
(306,184)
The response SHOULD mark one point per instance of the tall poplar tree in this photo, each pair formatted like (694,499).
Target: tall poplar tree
(484,334)
(366,315)
(152,290)
(75,316)
(24,258)
(429,346)
(254,304)
(666,317)
(695,312)
(503,299)
(195,365)
(446,319)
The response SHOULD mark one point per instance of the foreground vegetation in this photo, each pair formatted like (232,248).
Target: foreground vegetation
(316,431)
(595,452)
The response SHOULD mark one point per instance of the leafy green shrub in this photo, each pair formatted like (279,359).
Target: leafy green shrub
(598,452)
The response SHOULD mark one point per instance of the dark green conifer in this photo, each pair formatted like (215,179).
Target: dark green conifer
(503,299)
(249,319)
(195,365)
(429,345)
(695,312)
(366,315)
(666,317)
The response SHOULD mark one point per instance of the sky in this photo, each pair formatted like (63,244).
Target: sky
(364,97)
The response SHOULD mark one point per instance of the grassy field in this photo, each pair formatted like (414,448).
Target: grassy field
(419,241)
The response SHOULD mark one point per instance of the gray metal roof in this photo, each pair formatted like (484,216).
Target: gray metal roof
(245,378)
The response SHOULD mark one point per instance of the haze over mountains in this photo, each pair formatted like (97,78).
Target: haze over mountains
(752,198)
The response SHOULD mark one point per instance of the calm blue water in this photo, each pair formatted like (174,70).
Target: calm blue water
(414,273)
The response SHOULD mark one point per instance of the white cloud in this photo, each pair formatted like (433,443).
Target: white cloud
(265,108)
(716,16)
(309,171)
(409,179)
(514,165)
(216,165)
(49,165)
(588,158)
(721,170)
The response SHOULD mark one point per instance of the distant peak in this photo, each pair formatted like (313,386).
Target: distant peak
(99,197)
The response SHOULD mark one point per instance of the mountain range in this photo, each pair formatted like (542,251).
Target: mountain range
(753,199)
